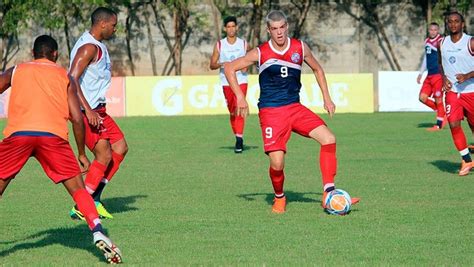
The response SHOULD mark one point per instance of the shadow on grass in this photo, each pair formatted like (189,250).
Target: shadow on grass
(245,147)
(79,237)
(121,204)
(290,197)
(425,125)
(446,166)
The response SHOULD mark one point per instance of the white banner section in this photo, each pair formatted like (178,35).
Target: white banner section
(398,91)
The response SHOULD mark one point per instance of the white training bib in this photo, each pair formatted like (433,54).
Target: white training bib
(457,59)
(229,52)
(97,77)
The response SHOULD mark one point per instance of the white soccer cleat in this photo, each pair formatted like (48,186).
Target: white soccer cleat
(111,252)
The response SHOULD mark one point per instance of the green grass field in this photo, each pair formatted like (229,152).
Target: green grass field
(182,197)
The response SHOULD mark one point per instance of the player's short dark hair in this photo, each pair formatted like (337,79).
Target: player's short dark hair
(44,47)
(230,19)
(101,14)
(434,24)
(456,13)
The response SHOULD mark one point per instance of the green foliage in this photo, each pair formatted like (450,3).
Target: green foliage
(443,6)
(183,198)
(14,15)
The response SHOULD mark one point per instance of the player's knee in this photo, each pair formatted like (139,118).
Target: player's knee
(328,139)
(104,157)
(277,165)
(422,99)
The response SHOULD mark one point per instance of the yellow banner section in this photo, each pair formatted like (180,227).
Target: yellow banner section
(202,95)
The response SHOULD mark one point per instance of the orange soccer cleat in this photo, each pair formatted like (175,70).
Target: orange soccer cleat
(465,168)
(279,205)
(435,128)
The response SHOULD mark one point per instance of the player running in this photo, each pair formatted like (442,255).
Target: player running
(226,50)
(433,82)
(457,61)
(280,112)
(42,98)
(91,70)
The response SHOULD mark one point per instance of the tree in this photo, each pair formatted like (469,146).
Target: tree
(369,16)
(13,17)
(303,7)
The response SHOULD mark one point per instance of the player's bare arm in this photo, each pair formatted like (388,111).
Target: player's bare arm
(214,64)
(446,83)
(5,79)
(318,71)
(85,56)
(462,77)
(78,128)
(229,70)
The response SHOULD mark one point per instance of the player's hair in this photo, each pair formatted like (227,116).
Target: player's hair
(44,47)
(456,13)
(101,14)
(230,19)
(275,15)
(434,24)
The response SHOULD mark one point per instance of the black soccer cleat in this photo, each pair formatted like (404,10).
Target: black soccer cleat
(239,145)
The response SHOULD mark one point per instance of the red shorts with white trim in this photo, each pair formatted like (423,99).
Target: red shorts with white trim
(53,153)
(459,106)
(432,86)
(230,96)
(277,123)
(108,129)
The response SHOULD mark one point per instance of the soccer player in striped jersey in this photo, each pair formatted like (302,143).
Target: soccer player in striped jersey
(433,83)
(43,97)
(91,69)
(228,49)
(456,55)
(280,111)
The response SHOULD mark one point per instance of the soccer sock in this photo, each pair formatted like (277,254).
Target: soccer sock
(460,142)
(440,114)
(328,165)
(113,165)
(98,192)
(239,124)
(232,123)
(278,178)
(86,206)
(430,103)
(94,176)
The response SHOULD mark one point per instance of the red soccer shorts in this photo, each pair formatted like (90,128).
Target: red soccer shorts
(108,129)
(432,86)
(460,105)
(230,97)
(277,123)
(53,153)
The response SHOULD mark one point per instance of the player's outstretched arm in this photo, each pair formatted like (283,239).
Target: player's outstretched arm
(229,70)
(214,64)
(6,79)
(85,55)
(75,117)
(320,78)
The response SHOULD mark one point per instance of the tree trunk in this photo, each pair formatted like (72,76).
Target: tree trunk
(387,41)
(128,27)
(429,12)
(304,9)
(177,38)
(150,42)
(66,34)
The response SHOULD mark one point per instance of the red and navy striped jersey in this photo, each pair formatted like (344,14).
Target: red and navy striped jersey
(280,74)
(431,50)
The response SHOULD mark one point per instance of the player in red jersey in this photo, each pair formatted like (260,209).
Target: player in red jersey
(433,82)
(43,97)
(280,112)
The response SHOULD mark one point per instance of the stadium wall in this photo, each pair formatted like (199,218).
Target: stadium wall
(202,95)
